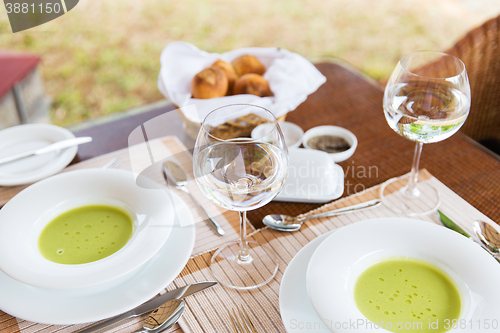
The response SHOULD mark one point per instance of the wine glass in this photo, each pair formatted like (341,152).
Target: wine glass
(427,99)
(239,173)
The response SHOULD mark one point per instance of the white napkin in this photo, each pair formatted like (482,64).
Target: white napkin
(291,78)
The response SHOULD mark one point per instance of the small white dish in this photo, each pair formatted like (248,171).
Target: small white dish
(18,139)
(293,133)
(343,256)
(312,177)
(23,218)
(90,304)
(334,131)
(297,312)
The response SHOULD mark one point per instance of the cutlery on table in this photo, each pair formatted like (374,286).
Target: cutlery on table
(290,223)
(163,317)
(52,147)
(241,322)
(178,293)
(489,237)
(174,172)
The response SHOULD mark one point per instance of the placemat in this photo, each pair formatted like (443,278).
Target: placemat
(209,311)
(137,157)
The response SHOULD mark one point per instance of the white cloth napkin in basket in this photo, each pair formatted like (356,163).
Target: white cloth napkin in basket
(291,78)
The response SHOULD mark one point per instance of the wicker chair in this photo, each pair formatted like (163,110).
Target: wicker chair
(479,49)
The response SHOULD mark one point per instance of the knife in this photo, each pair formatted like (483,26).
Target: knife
(152,304)
(174,172)
(52,147)
(451,225)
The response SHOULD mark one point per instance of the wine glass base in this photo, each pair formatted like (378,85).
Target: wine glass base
(258,269)
(395,195)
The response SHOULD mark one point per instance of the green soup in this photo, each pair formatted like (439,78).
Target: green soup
(410,294)
(85,234)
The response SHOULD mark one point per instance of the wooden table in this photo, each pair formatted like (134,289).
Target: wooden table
(348,99)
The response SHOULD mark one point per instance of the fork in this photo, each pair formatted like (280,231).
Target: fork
(241,321)
(113,164)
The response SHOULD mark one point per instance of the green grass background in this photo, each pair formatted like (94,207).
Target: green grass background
(103,56)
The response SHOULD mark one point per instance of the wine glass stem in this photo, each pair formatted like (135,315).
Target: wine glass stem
(243,254)
(411,188)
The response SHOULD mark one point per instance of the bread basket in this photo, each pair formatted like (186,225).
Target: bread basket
(291,78)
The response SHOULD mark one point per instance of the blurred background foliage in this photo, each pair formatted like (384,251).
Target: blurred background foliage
(103,56)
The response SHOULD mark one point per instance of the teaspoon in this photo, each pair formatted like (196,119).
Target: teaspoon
(489,237)
(163,317)
(290,223)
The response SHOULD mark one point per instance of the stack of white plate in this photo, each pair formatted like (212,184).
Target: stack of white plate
(316,292)
(24,138)
(35,289)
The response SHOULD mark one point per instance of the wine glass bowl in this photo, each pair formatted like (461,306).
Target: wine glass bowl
(241,173)
(425,108)
(426,100)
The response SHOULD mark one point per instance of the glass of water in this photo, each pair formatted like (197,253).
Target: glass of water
(426,100)
(241,173)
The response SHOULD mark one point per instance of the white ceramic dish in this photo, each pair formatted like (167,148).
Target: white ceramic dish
(293,133)
(24,216)
(82,305)
(18,139)
(344,255)
(335,131)
(312,177)
(296,310)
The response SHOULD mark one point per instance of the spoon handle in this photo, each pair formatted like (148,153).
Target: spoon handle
(348,209)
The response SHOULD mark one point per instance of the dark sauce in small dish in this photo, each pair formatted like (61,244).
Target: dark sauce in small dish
(329,143)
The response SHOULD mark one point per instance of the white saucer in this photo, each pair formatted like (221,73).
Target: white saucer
(296,310)
(105,300)
(18,139)
(312,177)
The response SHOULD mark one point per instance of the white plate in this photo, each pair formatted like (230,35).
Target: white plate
(296,310)
(94,303)
(24,217)
(312,177)
(344,255)
(19,139)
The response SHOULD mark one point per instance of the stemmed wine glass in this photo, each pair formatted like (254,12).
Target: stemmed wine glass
(427,99)
(241,173)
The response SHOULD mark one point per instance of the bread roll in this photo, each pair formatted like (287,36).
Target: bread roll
(253,84)
(230,73)
(209,83)
(246,64)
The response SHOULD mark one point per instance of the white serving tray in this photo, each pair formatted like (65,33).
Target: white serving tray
(313,177)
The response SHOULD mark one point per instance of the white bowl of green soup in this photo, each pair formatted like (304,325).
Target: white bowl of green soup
(402,275)
(83,228)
